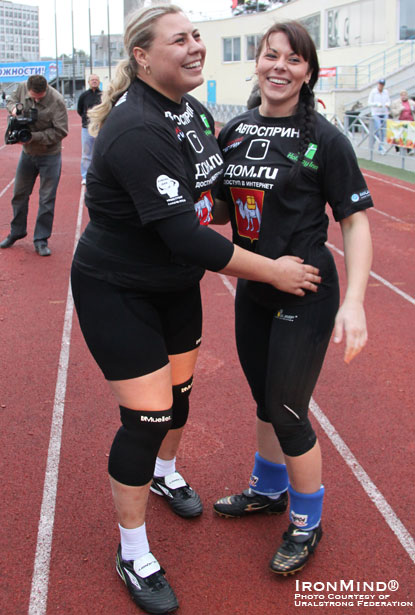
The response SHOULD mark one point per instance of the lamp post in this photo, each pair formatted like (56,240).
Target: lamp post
(109,40)
(73,58)
(90,37)
(56,51)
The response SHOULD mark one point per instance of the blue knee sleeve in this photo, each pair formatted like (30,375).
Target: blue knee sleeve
(306,508)
(180,409)
(136,444)
(268,478)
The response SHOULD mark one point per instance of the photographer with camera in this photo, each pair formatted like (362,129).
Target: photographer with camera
(39,122)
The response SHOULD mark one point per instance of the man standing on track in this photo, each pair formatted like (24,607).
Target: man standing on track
(41,156)
(87,100)
(379,103)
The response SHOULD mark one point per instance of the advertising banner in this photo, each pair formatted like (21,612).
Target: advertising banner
(327,72)
(21,71)
(401,133)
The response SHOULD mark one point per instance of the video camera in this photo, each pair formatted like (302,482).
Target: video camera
(18,130)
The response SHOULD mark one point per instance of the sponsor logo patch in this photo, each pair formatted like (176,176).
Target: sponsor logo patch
(253,481)
(203,208)
(359,196)
(169,188)
(287,317)
(299,520)
(248,211)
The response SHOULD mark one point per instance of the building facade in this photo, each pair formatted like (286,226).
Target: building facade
(353,37)
(19,32)
(100,51)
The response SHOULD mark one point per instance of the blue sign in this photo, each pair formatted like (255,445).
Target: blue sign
(211,91)
(21,71)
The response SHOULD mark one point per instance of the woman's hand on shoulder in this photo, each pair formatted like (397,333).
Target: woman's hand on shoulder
(351,322)
(293,276)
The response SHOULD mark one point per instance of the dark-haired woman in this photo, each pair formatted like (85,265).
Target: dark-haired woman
(136,271)
(283,162)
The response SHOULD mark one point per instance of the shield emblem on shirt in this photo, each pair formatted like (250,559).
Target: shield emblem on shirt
(248,211)
(203,208)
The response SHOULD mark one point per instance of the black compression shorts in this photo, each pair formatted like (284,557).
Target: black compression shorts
(131,333)
(282,351)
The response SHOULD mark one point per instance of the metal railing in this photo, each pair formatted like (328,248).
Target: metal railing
(368,142)
(359,75)
(359,128)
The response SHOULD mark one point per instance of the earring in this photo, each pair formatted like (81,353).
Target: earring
(147,70)
(310,91)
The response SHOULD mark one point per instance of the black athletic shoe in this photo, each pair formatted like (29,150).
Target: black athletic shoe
(296,548)
(249,502)
(152,592)
(182,499)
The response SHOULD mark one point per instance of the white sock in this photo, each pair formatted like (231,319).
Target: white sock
(164,467)
(134,542)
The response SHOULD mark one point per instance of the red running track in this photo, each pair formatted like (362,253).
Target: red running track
(58,529)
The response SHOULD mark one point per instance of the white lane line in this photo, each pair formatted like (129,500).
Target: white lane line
(379,211)
(40,578)
(372,491)
(7,187)
(387,181)
(396,290)
(228,284)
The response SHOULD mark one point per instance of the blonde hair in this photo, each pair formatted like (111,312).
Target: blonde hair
(139,32)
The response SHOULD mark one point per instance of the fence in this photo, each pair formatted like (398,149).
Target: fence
(366,139)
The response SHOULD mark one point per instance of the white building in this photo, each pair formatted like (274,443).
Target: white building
(19,32)
(358,42)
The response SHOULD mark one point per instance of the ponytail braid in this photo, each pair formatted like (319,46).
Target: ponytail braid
(306,111)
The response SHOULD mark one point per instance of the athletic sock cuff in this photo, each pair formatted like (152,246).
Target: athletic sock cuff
(268,478)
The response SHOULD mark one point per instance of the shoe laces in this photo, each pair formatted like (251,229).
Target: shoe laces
(290,546)
(183,493)
(155,581)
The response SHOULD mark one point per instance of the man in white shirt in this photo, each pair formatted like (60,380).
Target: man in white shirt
(379,102)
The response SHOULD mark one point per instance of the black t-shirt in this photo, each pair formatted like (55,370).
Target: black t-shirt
(272,219)
(88,99)
(153,159)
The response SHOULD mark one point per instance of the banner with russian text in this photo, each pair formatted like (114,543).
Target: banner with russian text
(21,71)
(401,133)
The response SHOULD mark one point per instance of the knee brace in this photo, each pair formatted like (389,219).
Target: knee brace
(136,444)
(180,409)
(294,431)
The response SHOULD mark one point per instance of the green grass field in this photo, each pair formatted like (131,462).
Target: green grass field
(407,176)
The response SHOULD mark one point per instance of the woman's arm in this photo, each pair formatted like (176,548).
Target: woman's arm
(350,319)
(203,246)
(287,273)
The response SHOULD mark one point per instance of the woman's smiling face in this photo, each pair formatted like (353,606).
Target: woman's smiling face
(175,58)
(281,73)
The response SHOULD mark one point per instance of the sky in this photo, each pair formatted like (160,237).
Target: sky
(99,20)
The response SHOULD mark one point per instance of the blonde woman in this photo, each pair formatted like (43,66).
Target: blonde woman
(136,271)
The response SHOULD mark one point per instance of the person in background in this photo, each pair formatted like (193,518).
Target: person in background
(88,99)
(300,162)
(403,109)
(41,155)
(379,102)
(137,267)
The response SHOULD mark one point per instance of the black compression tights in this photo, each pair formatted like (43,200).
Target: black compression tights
(282,352)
